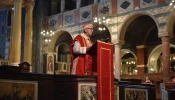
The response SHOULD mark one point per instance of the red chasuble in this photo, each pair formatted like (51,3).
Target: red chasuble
(84,62)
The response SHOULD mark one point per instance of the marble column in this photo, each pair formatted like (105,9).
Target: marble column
(141,59)
(78,5)
(15,49)
(166,58)
(12,33)
(28,32)
(62,5)
(117,61)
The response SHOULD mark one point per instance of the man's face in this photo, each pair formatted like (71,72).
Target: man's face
(89,30)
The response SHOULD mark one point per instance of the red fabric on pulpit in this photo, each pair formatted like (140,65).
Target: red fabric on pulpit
(105,79)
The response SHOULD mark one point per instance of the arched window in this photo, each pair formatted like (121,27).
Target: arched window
(129,62)
(63,58)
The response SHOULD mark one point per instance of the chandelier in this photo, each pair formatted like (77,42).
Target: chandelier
(101,21)
(172,3)
(47,35)
(103,14)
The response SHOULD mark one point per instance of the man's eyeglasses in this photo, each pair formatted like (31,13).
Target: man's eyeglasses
(90,28)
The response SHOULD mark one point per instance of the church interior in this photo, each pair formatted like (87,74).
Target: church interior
(133,49)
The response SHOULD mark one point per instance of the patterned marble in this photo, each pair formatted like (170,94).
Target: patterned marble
(125,6)
(53,21)
(104,9)
(136,94)
(148,3)
(68,18)
(85,14)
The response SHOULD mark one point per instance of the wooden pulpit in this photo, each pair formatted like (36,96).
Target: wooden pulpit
(102,65)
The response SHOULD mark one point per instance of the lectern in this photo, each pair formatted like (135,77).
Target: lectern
(102,64)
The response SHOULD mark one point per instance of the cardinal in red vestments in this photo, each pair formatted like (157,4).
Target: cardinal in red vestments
(81,62)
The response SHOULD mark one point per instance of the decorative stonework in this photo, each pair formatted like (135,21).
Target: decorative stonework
(115,38)
(53,21)
(162,19)
(68,18)
(148,3)
(113,20)
(104,9)
(121,18)
(114,28)
(162,31)
(159,13)
(117,19)
(125,6)
(85,14)
(74,29)
(161,10)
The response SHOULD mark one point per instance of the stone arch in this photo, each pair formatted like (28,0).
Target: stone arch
(110,31)
(129,65)
(130,18)
(63,46)
(153,57)
(170,23)
(125,51)
(54,38)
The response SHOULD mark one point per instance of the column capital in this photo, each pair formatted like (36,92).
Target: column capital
(164,33)
(118,42)
(117,46)
(29,4)
(165,39)
(141,46)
